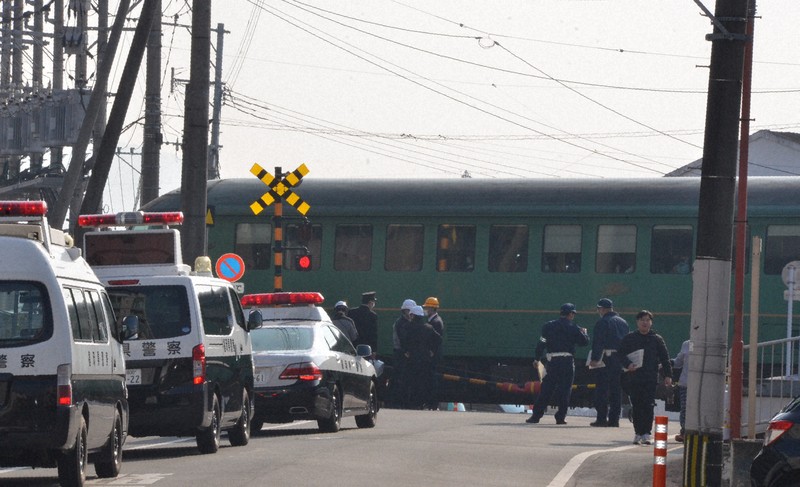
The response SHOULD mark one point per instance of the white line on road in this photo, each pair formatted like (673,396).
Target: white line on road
(561,479)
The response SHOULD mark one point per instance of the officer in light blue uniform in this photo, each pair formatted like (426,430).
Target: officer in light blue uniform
(559,339)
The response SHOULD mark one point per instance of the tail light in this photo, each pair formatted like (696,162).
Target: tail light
(64,385)
(776,429)
(199,365)
(305,371)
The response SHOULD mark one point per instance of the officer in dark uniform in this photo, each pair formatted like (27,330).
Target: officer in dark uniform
(366,321)
(606,337)
(559,338)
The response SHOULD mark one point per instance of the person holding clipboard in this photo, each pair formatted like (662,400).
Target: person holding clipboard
(640,353)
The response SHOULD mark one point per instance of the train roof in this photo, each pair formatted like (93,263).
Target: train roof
(767,196)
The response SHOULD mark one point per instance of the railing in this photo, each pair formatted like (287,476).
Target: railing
(771,380)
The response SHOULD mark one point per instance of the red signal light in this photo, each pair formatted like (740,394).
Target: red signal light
(302,263)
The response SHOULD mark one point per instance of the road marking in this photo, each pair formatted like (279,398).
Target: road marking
(564,476)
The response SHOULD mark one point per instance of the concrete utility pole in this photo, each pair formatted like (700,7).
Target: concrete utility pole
(213,148)
(151,150)
(711,277)
(194,170)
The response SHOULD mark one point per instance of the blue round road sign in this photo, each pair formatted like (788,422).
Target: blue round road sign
(230,267)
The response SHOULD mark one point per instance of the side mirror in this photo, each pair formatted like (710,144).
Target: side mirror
(254,319)
(363,350)
(130,327)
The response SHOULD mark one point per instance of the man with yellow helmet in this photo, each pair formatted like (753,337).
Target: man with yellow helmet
(431,307)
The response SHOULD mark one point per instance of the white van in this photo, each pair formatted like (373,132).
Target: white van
(63,399)
(187,347)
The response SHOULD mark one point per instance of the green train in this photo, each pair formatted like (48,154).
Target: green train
(501,255)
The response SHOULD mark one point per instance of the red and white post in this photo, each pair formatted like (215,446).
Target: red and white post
(660,452)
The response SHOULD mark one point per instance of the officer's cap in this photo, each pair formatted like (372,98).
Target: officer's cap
(568,308)
(367,297)
(605,303)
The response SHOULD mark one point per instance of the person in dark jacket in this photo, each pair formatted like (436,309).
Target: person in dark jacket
(366,321)
(559,338)
(343,322)
(606,336)
(419,342)
(431,307)
(641,378)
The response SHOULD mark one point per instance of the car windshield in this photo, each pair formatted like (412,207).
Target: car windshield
(163,311)
(282,338)
(24,313)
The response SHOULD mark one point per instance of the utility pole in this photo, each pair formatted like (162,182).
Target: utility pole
(213,148)
(194,169)
(711,277)
(57,153)
(151,149)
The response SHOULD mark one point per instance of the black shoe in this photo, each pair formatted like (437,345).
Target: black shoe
(532,420)
(561,421)
(599,424)
(613,424)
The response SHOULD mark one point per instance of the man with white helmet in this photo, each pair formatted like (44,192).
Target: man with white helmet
(397,394)
(420,343)
(343,322)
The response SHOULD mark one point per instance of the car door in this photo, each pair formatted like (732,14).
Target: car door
(349,365)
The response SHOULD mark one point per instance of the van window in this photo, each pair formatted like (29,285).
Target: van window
(163,311)
(238,312)
(215,310)
(97,318)
(86,320)
(25,315)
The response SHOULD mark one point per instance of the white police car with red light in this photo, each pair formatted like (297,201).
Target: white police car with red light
(187,351)
(63,399)
(305,368)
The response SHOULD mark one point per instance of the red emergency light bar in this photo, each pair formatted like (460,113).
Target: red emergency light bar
(23,208)
(131,218)
(276,299)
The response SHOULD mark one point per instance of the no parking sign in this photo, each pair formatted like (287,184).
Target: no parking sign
(230,267)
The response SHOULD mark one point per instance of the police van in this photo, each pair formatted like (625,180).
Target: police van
(62,372)
(187,348)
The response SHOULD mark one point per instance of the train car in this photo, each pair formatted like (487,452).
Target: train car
(502,255)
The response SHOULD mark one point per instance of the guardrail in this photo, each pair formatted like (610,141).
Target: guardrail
(771,380)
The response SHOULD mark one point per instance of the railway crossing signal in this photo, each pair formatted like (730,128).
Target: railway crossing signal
(302,263)
(280,189)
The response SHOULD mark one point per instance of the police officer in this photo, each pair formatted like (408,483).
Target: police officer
(366,321)
(559,338)
(606,337)
(344,322)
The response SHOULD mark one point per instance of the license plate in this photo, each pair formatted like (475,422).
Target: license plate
(133,377)
(261,377)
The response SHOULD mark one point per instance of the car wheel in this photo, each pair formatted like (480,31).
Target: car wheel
(72,464)
(240,434)
(208,438)
(109,462)
(332,423)
(368,420)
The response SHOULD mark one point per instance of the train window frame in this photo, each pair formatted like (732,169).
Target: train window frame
(555,240)
(616,249)
(455,247)
(504,255)
(671,249)
(252,240)
(778,240)
(353,247)
(401,254)
(314,245)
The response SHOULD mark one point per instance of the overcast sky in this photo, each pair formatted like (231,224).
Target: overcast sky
(518,89)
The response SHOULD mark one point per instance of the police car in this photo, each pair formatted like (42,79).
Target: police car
(305,368)
(62,373)
(188,354)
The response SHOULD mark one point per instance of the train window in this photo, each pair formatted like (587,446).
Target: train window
(782,246)
(616,249)
(508,248)
(562,248)
(671,249)
(295,237)
(253,242)
(353,248)
(455,248)
(404,247)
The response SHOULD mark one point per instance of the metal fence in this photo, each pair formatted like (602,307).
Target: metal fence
(771,380)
